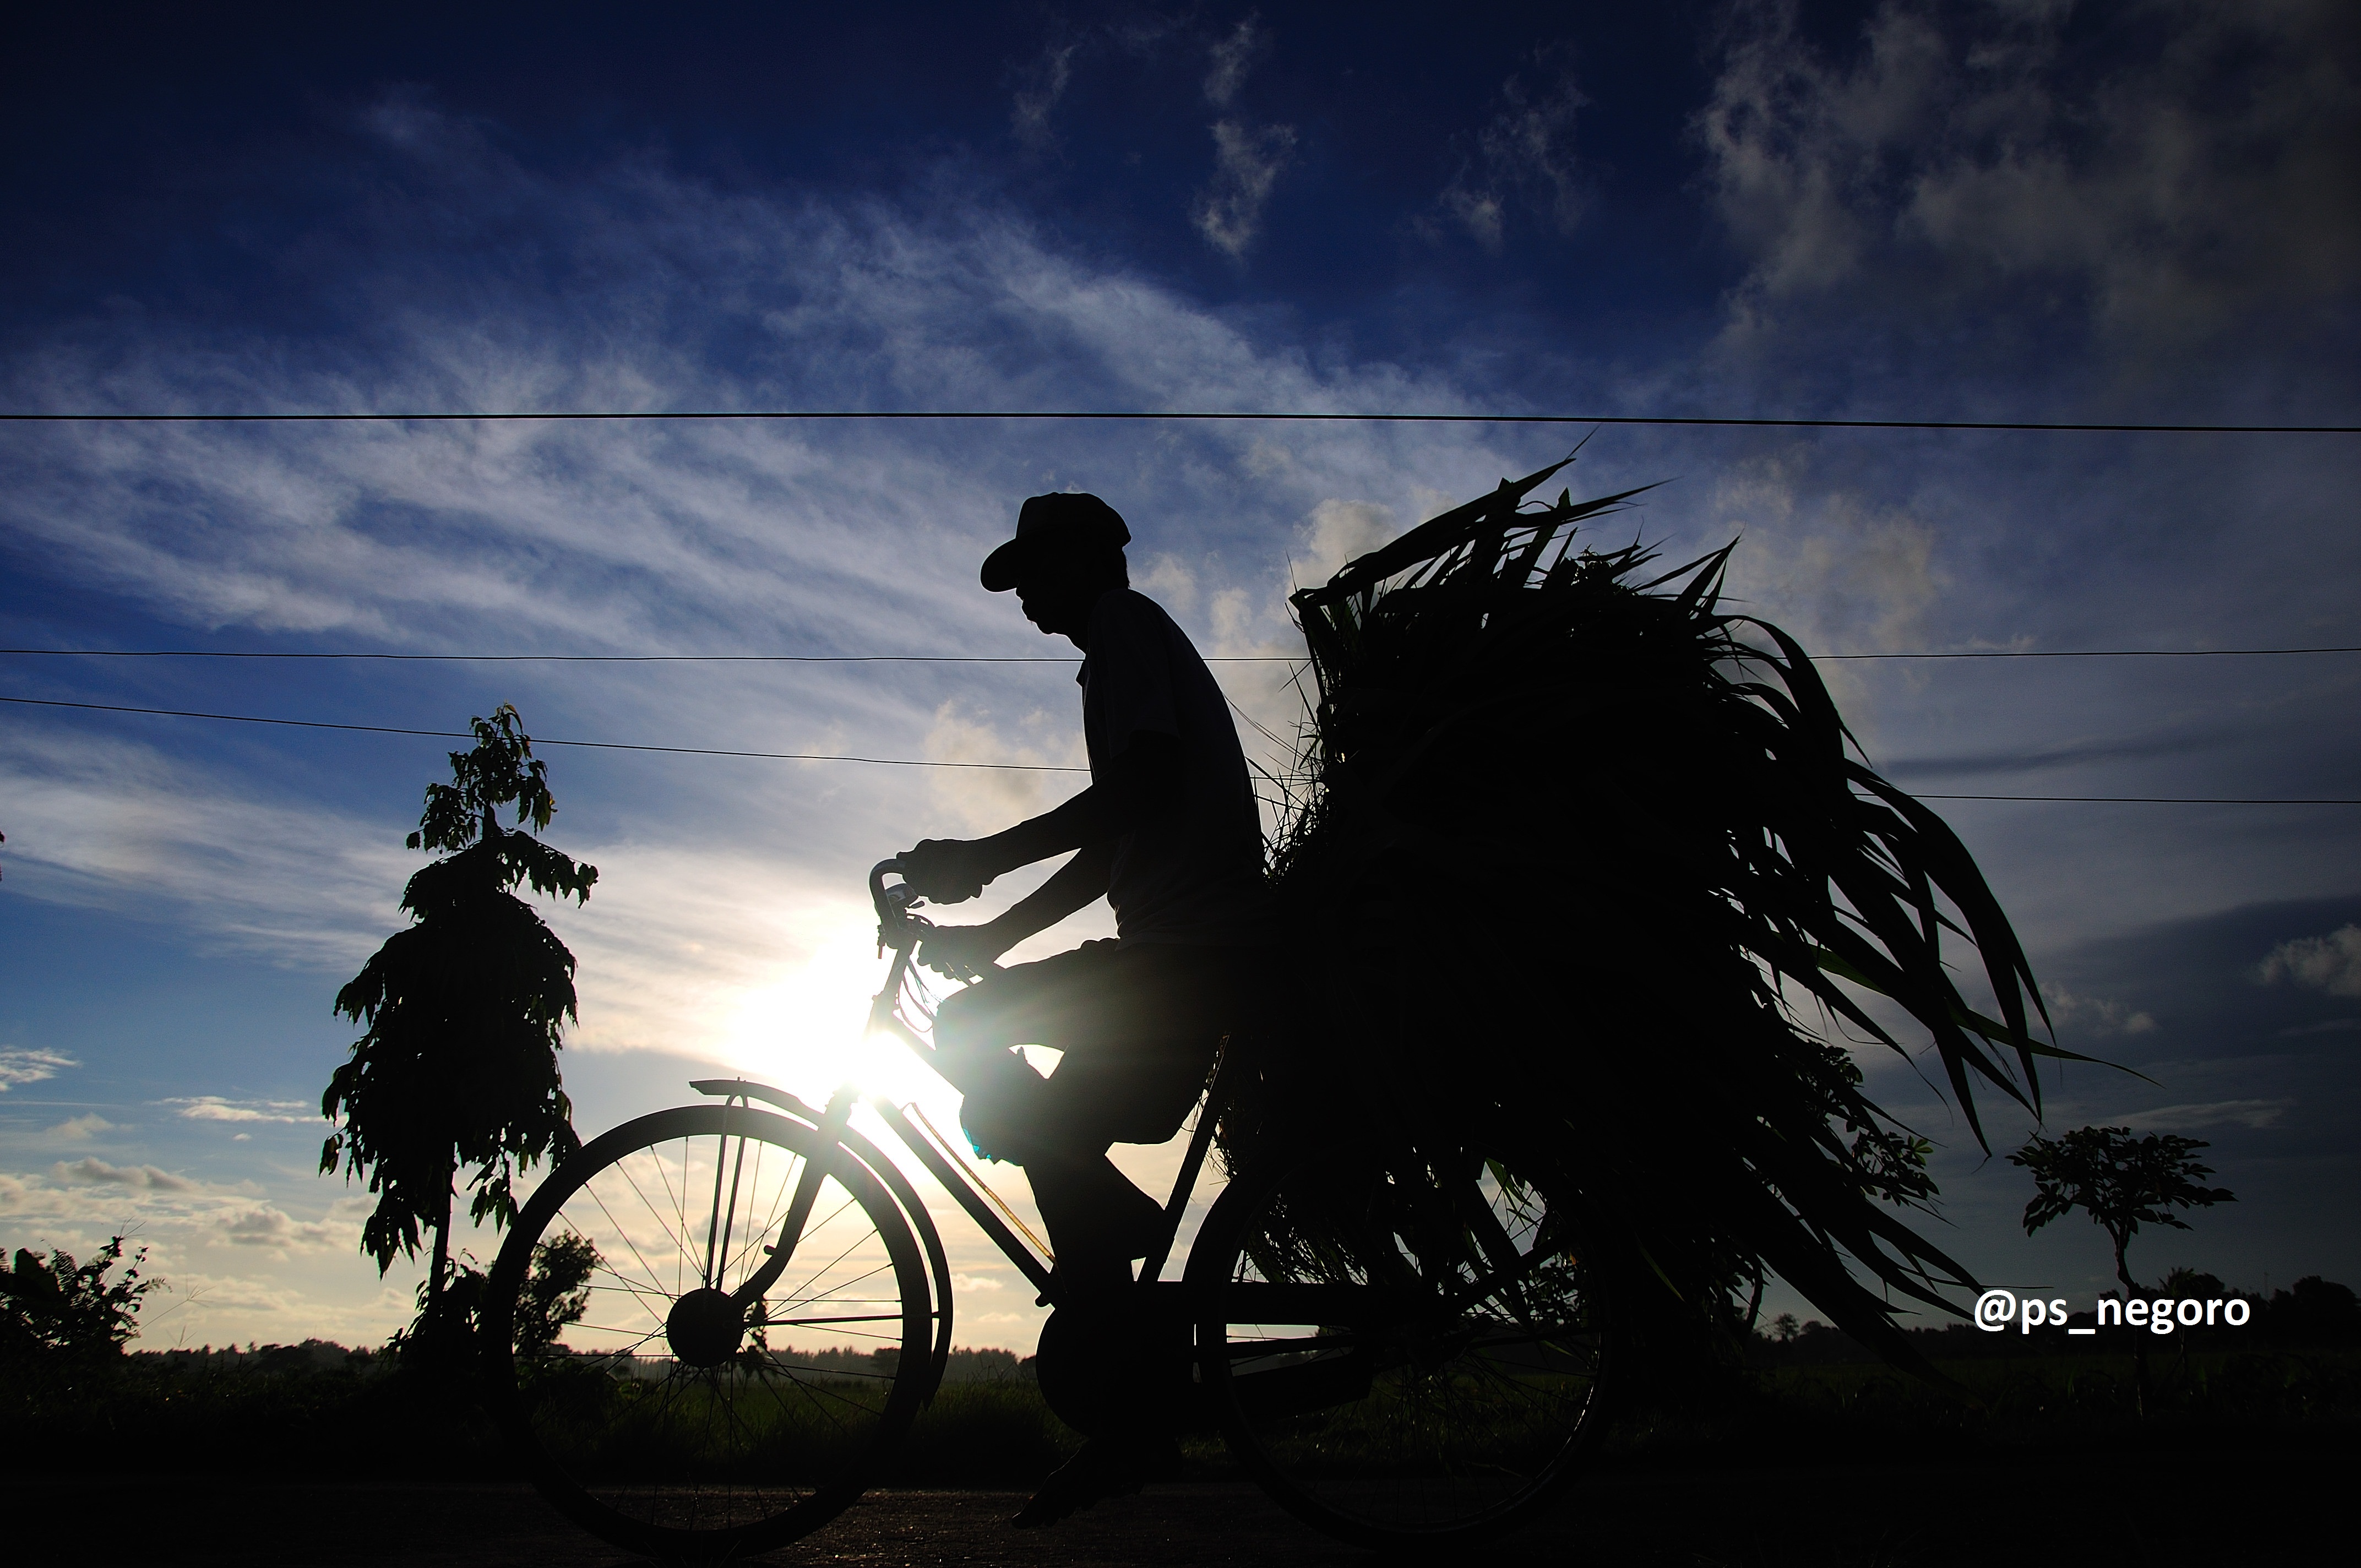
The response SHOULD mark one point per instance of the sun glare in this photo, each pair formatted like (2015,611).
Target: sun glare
(805,1031)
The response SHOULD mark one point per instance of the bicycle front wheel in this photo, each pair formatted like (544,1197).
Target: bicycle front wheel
(1399,1358)
(679,1415)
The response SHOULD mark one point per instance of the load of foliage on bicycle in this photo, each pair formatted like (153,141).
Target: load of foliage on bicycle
(1590,888)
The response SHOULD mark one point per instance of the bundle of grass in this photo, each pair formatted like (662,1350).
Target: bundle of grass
(1580,859)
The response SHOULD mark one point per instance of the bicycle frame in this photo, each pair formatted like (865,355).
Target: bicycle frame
(903,930)
(1414,1280)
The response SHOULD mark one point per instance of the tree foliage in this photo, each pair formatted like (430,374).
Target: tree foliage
(555,1295)
(56,1307)
(464,1011)
(2121,1181)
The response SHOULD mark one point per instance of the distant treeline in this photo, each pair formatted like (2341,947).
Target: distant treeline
(314,1355)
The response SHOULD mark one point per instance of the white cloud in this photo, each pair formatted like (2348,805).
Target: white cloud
(1247,162)
(1337,531)
(80,1129)
(970,1282)
(987,800)
(2330,963)
(92,1170)
(264,1225)
(1833,567)
(1964,150)
(18,1065)
(1167,580)
(2093,1014)
(214,1108)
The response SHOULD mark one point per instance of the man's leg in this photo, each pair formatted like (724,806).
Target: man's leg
(1097,1219)
(1137,1028)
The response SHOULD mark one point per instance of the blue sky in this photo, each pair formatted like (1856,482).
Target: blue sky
(2138,212)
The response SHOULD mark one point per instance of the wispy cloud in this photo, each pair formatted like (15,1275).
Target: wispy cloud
(1045,82)
(214,1108)
(1247,162)
(2251,1113)
(1232,57)
(1524,150)
(122,826)
(1247,157)
(19,1065)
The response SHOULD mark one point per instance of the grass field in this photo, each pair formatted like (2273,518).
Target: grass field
(312,1418)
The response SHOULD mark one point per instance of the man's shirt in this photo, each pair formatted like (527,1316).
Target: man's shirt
(1194,874)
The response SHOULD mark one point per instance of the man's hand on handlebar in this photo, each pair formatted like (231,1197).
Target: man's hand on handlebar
(961,952)
(945,870)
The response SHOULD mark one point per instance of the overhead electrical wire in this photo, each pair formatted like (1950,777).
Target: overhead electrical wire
(545,740)
(591,415)
(1001,767)
(1039,658)
(1205,415)
(2149,799)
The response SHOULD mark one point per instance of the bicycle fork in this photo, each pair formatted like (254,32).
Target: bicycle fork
(791,1229)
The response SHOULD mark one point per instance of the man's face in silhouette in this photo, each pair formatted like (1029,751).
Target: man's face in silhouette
(1056,591)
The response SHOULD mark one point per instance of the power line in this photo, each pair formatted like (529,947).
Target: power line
(585,415)
(615,658)
(543,740)
(1036,658)
(2091,654)
(2148,799)
(1007,767)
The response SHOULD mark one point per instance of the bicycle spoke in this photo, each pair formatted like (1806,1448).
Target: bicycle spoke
(730,1459)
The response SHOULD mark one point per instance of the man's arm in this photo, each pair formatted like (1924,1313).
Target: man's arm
(1134,787)
(960,951)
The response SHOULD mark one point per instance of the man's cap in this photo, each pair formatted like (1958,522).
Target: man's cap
(1060,523)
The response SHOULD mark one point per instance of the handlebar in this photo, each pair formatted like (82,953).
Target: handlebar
(878,892)
(897,927)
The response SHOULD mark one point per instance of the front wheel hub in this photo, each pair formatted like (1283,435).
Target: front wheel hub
(705,1328)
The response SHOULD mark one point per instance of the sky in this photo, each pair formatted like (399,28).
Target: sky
(2016,210)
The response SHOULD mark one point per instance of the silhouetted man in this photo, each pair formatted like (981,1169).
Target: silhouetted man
(1169,834)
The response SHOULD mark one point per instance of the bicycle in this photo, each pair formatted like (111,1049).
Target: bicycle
(1401,1352)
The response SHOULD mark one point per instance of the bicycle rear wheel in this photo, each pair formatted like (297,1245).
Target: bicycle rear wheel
(1399,1358)
(673,1421)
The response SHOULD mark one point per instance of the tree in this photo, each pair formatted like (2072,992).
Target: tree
(556,1294)
(59,1308)
(464,1013)
(2121,1182)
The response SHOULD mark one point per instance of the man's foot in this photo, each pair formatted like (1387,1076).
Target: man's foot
(1100,1471)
